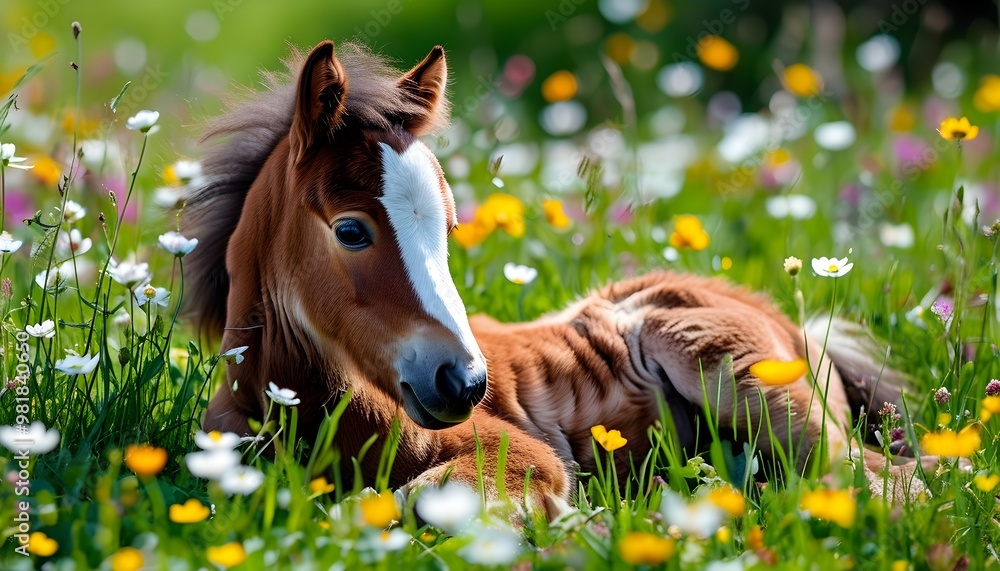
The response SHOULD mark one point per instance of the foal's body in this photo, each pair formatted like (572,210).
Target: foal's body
(323,231)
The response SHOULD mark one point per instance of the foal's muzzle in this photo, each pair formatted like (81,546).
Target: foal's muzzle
(438,388)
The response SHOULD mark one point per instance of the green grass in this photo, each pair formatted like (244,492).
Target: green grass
(154,377)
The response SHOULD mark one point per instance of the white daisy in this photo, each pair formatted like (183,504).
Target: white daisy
(242,480)
(45,329)
(154,295)
(142,121)
(283,397)
(177,244)
(831,267)
(73,212)
(235,355)
(519,274)
(72,243)
(492,546)
(8,245)
(77,364)
(33,438)
(450,508)
(212,464)
(129,273)
(8,159)
(216,440)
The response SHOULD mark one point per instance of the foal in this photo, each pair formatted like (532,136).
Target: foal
(324,227)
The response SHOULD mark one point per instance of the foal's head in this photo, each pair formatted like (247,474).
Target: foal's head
(344,235)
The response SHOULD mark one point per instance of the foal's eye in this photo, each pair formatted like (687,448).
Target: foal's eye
(352,234)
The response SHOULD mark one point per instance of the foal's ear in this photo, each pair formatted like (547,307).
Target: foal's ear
(319,102)
(425,84)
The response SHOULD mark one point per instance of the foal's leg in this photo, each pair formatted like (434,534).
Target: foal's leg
(549,479)
(689,343)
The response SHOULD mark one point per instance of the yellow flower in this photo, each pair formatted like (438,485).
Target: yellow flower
(802,80)
(559,86)
(944,419)
(228,555)
(555,215)
(127,559)
(320,486)
(619,47)
(192,511)
(987,97)
(717,53)
(833,505)
(170,177)
(724,535)
(379,510)
(145,460)
(609,440)
(947,442)
(954,129)
(639,548)
(46,171)
(755,538)
(41,545)
(729,499)
(501,210)
(471,234)
(991,406)
(902,118)
(688,233)
(986,482)
(899,565)
(772,372)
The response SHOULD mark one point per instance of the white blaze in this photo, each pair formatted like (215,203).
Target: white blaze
(411,195)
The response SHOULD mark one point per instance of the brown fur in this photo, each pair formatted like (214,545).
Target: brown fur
(321,320)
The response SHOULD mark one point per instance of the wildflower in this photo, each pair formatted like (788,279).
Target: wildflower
(55,278)
(953,129)
(794,206)
(716,53)
(145,460)
(560,86)
(228,555)
(7,158)
(993,388)
(896,235)
(211,464)
(45,329)
(183,172)
(943,308)
(191,511)
(688,233)
(943,419)
(283,397)
(878,54)
(986,482)
(837,506)
(776,373)
(793,266)
(216,440)
(755,538)
(888,410)
(503,211)
(42,545)
(379,510)
(449,508)
(243,480)
(36,439)
(987,97)
(154,295)
(46,171)
(78,365)
(835,136)
(320,486)
(235,355)
(640,548)
(8,245)
(729,499)
(518,274)
(802,80)
(831,267)
(942,396)
(990,406)
(609,440)
(170,196)
(471,234)
(374,544)
(142,121)
(73,211)
(555,215)
(129,274)
(724,535)
(948,443)
(700,518)
(72,243)
(177,244)
(127,559)
(492,547)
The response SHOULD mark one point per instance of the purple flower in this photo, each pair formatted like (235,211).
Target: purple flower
(993,388)
(897,434)
(943,307)
(942,396)
(910,151)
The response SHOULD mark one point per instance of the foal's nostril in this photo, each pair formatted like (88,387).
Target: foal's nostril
(458,386)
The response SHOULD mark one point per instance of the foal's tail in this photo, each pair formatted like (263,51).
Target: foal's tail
(868,380)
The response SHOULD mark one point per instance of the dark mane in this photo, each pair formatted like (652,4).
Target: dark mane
(239,143)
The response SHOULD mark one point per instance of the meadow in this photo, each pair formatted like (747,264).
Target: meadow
(631,155)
